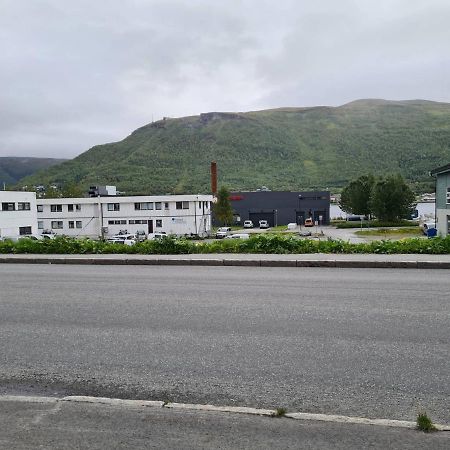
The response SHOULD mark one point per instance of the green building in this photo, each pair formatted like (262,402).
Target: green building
(442,175)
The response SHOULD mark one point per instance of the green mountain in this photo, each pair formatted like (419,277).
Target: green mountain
(12,169)
(284,149)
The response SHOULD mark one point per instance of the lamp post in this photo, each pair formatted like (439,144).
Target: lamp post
(299,217)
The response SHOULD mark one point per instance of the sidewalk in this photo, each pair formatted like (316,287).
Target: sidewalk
(403,261)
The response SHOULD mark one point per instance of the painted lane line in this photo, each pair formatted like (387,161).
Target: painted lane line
(231,409)
(28,399)
(360,420)
(112,401)
(212,408)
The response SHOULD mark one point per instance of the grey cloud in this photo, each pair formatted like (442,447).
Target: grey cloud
(76,74)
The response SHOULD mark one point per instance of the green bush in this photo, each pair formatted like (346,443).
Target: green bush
(373,224)
(425,424)
(267,243)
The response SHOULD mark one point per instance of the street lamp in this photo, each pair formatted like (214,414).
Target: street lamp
(299,217)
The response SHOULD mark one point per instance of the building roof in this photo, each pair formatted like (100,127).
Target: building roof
(440,170)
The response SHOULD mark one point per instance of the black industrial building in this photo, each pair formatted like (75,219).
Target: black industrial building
(281,208)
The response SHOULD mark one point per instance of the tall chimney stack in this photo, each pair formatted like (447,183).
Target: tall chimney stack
(213,178)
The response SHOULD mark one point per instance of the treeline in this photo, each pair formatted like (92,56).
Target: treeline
(387,198)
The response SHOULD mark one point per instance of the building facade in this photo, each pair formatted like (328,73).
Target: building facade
(18,215)
(281,208)
(106,216)
(442,175)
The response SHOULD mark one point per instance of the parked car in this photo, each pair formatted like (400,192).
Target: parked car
(157,235)
(222,232)
(48,234)
(248,224)
(238,236)
(263,224)
(426,226)
(141,235)
(309,222)
(124,239)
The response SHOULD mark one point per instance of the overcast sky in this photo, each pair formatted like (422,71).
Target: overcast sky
(76,73)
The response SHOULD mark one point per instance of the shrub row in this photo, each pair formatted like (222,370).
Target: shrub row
(275,244)
(374,224)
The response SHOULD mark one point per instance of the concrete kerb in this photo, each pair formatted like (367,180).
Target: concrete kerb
(212,408)
(165,261)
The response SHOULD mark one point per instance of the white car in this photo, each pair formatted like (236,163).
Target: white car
(248,224)
(157,235)
(124,239)
(238,236)
(426,226)
(222,232)
(263,224)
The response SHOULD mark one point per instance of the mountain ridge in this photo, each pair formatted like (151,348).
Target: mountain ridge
(14,168)
(319,147)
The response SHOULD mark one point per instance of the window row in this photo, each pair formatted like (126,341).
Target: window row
(59,224)
(11,206)
(59,208)
(150,205)
(158,222)
(145,206)
(448,196)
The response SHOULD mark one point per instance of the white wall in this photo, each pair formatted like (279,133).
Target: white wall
(94,213)
(12,221)
(442,217)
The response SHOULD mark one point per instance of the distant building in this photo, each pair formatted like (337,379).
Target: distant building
(281,208)
(106,216)
(442,175)
(17,214)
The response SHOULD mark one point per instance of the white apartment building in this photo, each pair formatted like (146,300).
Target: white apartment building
(18,215)
(106,216)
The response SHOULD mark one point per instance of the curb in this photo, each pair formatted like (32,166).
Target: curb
(212,408)
(334,263)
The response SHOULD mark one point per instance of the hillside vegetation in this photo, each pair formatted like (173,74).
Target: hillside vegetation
(284,149)
(12,169)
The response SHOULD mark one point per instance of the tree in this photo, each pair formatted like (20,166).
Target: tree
(392,199)
(355,197)
(72,190)
(222,208)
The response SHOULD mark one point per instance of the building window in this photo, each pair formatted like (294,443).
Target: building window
(77,207)
(79,224)
(448,196)
(158,223)
(57,224)
(71,224)
(199,205)
(166,205)
(70,209)
(24,231)
(23,206)
(40,225)
(448,224)
(157,205)
(40,208)
(117,222)
(56,208)
(137,221)
(8,206)
(113,206)
(182,205)
(143,206)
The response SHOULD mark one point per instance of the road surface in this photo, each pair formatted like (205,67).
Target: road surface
(361,342)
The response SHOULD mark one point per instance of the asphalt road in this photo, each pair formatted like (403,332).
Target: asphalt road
(362,342)
(82,426)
